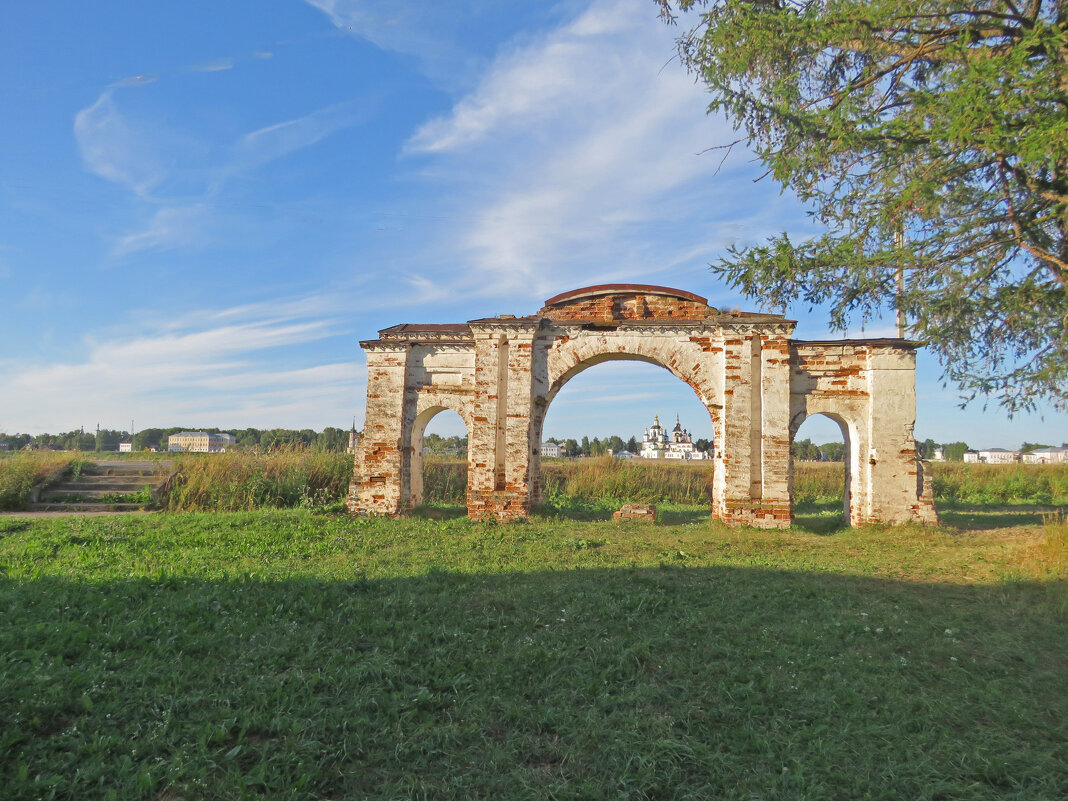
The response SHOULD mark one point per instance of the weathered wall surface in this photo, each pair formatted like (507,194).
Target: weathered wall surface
(869,388)
(501,374)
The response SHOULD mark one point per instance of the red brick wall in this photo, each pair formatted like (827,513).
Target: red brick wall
(617,307)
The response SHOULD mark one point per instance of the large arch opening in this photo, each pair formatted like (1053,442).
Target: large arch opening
(601,418)
(822,460)
(439,461)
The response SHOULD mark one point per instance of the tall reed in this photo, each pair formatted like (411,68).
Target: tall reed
(445,481)
(956,482)
(239,481)
(813,482)
(236,481)
(628,481)
(20,471)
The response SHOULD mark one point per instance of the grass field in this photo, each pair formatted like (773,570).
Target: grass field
(294,655)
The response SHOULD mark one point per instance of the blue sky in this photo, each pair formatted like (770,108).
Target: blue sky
(205,206)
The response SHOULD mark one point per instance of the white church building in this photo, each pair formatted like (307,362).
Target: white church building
(659,444)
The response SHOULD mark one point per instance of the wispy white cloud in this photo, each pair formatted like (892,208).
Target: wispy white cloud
(115,148)
(584,156)
(219,65)
(169,226)
(282,138)
(230,365)
(153,160)
(425,30)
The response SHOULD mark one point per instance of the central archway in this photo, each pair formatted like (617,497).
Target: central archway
(656,373)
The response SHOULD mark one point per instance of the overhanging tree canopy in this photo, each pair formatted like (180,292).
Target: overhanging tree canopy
(925,135)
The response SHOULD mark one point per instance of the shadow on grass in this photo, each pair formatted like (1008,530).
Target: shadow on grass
(982,516)
(646,683)
(683,515)
(440,511)
(815,517)
(578,509)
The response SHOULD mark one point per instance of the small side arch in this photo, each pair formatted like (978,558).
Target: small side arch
(427,408)
(852,491)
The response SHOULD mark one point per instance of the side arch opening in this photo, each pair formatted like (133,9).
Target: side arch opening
(438,474)
(823,459)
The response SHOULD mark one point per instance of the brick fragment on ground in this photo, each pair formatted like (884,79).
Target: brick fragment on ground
(635,511)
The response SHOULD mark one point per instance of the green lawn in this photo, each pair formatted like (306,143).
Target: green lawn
(292,655)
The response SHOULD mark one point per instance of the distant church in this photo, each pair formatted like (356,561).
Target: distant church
(658,444)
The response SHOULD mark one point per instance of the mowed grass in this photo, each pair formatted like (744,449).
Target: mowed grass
(285,654)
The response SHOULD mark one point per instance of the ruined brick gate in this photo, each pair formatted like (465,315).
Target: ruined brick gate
(500,374)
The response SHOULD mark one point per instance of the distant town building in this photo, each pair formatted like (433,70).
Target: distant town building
(992,456)
(938,455)
(625,455)
(658,444)
(1046,456)
(200,442)
(125,447)
(551,450)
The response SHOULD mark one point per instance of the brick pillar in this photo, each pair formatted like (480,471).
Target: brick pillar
(753,459)
(499,446)
(482,438)
(774,510)
(895,491)
(732,497)
(516,497)
(380,471)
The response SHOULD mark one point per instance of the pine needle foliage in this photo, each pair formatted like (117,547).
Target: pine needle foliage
(927,136)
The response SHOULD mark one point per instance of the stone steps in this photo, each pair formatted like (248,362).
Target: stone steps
(57,494)
(74,508)
(104,483)
(102,486)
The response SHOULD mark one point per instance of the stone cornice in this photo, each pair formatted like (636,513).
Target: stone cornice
(456,345)
(385,345)
(525,325)
(885,343)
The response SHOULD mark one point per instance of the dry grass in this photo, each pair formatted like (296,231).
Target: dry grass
(242,481)
(956,482)
(230,482)
(814,482)
(1048,556)
(20,471)
(628,480)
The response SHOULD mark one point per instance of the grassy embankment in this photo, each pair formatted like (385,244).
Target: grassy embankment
(588,487)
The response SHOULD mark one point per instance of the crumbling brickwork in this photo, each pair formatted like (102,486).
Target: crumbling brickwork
(501,374)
